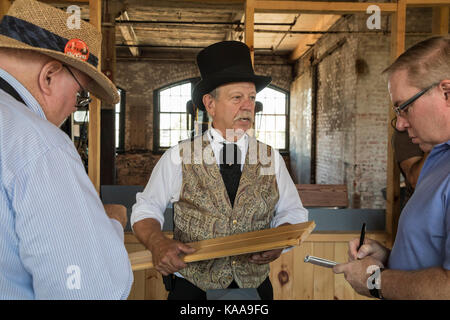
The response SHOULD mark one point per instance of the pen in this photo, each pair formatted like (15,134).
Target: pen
(363,234)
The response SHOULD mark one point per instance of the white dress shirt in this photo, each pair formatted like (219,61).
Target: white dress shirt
(165,182)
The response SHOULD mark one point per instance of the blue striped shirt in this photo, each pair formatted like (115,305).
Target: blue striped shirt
(56,241)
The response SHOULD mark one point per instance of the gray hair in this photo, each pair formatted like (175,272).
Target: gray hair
(426,62)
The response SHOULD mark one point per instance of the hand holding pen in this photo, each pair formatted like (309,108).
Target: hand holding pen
(363,247)
(362,236)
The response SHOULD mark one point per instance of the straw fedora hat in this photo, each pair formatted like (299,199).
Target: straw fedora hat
(225,62)
(35,26)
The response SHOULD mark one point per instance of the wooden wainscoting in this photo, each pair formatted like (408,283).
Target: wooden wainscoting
(292,279)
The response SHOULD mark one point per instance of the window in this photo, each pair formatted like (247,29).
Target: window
(172,122)
(119,125)
(271,124)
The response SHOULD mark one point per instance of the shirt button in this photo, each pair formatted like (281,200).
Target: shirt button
(234,222)
(233,262)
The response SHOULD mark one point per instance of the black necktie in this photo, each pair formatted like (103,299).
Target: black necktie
(230,168)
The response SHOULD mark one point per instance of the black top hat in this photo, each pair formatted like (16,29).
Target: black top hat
(225,62)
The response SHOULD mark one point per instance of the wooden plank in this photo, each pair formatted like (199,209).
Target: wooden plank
(95,11)
(154,285)
(249,35)
(303,274)
(137,291)
(427,3)
(4,7)
(256,241)
(318,236)
(323,195)
(129,35)
(323,277)
(320,7)
(323,23)
(440,20)
(281,275)
(342,289)
(393,172)
(324,236)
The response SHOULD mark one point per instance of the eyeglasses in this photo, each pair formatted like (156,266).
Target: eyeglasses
(83,98)
(402,110)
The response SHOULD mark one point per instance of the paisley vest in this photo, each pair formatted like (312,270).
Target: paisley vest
(204,211)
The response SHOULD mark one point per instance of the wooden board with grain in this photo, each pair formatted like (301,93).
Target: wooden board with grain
(256,241)
(323,195)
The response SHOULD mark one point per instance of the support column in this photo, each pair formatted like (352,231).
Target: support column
(249,35)
(393,172)
(95,10)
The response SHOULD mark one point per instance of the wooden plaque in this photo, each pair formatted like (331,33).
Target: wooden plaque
(256,241)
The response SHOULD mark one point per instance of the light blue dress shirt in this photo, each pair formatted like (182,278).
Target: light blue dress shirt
(423,237)
(56,241)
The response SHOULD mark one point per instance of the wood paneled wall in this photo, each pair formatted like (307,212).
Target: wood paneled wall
(292,279)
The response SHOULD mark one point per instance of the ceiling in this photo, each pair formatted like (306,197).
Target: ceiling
(146,27)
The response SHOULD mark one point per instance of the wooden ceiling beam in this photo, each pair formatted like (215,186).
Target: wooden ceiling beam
(427,3)
(440,20)
(129,35)
(323,23)
(320,7)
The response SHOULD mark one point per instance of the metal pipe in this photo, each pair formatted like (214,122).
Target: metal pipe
(199,22)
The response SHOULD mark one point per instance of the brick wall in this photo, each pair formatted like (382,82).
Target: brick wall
(352,107)
(140,79)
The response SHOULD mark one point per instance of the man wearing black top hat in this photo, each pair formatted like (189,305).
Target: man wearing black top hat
(231,190)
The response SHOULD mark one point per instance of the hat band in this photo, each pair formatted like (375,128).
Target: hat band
(36,36)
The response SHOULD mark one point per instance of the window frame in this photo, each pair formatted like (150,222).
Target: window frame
(283,152)
(157,149)
(156,112)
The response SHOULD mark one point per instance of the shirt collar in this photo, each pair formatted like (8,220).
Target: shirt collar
(26,96)
(216,137)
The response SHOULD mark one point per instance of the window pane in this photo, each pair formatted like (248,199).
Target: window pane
(186,90)
(281,140)
(183,119)
(164,103)
(270,123)
(270,138)
(164,121)
(280,123)
(280,106)
(175,121)
(164,138)
(175,137)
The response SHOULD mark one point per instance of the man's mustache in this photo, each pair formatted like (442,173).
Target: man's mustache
(245,115)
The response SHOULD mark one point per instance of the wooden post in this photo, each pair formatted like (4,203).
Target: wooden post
(249,27)
(4,7)
(95,10)
(393,171)
(440,20)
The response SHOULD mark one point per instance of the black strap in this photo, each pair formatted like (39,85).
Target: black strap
(5,86)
